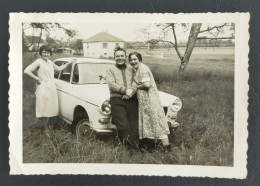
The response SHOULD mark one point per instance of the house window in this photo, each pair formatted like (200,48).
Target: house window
(117,44)
(104,45)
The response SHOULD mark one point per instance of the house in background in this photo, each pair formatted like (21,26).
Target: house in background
(67,51)
(101,45)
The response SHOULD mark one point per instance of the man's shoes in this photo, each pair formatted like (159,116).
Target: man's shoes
(132,142)
(167,148)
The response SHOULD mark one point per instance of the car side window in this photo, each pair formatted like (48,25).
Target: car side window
(56,73)
(65,74)
(75,76)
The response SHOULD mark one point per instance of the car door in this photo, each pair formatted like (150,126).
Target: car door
(64,89)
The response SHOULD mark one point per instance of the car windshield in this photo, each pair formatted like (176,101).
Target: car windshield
(92,72)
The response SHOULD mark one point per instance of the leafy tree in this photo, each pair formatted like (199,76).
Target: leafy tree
(25,45)
(51,42)
(45,29)
(77,45)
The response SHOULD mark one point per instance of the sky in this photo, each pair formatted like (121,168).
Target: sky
(127,32)
(124,31)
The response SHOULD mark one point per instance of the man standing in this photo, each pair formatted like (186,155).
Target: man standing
(124,111)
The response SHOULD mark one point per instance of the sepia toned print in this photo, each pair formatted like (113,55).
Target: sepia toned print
(199,68)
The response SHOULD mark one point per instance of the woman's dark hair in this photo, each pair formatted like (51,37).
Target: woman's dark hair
(138,55)
(46,48)
(119,49)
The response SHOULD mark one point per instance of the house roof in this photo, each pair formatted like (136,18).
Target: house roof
(102,37)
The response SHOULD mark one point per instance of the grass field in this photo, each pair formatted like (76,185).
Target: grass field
(205,136)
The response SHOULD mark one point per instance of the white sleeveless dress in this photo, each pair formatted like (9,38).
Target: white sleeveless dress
(46,92)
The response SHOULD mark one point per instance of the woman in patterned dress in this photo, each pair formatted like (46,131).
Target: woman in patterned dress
(151,119)
(46,92)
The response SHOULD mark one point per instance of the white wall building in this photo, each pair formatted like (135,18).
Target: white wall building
(101,45)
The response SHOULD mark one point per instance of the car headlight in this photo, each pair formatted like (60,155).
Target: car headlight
(172,111)
(105,108)
(176,105)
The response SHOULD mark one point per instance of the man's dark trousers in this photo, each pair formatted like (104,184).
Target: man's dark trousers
(125,116)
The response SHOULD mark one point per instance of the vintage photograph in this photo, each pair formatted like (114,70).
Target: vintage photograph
(150,92)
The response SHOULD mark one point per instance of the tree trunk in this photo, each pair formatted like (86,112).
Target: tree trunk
(38,45)
(195,28)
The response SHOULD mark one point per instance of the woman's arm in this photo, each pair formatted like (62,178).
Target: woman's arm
(145,80)
(62,67)
(30,69)
(144,86)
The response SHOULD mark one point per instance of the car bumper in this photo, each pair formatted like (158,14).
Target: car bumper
(105,131)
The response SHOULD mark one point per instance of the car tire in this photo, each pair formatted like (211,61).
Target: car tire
(81,126)
(83,130)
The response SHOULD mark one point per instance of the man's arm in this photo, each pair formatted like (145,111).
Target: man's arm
(112,83)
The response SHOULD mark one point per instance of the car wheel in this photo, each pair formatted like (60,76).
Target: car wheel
(83,130)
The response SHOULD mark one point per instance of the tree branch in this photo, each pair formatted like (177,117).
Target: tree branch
(28,46)
(176,43)
(212,28)
(167,26)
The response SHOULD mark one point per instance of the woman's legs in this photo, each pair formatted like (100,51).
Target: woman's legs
(45,123)
(166,143)
(151,143)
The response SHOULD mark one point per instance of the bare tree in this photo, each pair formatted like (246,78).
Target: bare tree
(213,33)
(146,33)
(194,31)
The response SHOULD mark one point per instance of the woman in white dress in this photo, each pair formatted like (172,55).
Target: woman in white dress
(46,92)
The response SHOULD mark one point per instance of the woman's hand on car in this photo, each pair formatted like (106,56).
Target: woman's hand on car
(72,61)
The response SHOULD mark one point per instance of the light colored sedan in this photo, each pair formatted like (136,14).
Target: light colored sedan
(84,97)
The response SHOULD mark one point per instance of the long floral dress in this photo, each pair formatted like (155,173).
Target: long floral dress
(152,120)
(46,92)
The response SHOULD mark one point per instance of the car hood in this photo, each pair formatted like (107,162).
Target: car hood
(97,93)
(92,93)
(168,100)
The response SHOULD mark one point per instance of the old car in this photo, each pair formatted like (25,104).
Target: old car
(84,97)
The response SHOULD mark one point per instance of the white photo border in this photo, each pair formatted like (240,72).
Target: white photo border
(238,170)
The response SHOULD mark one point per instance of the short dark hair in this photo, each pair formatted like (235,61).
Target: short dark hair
(137,54)
(46,48)
(119,49)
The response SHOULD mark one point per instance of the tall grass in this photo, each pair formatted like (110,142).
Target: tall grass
(205,136)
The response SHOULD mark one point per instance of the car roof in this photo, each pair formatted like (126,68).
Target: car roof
(86,60)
